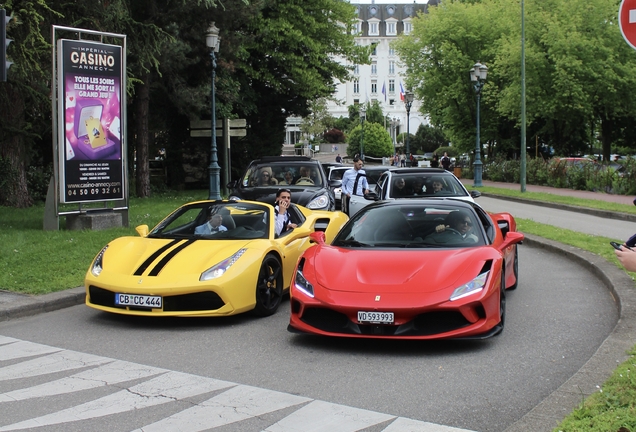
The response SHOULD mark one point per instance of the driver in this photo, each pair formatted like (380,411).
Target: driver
(458,223)
(212,226)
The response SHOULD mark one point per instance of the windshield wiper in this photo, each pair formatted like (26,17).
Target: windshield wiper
(352,242)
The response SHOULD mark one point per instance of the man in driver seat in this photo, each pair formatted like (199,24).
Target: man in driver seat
(458,223)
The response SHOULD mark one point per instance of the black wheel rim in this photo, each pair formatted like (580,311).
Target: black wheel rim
(270,284)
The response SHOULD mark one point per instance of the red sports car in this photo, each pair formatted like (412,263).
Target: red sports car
(422,269)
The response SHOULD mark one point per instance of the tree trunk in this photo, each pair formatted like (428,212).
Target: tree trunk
(142,167)
(13,152)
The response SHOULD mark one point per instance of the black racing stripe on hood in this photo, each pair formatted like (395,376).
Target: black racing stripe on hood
(142,268)
(155,271)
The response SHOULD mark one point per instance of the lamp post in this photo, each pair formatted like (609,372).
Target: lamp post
(408,101)
(213,41)
(363,114)
(478,76)
(394,124)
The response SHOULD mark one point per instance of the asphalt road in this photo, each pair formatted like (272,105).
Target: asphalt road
(556,320)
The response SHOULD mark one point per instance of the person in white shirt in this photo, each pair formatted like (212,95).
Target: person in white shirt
(282,220)
(212,226)
(354,182)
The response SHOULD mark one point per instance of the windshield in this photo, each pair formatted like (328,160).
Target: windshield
(216,221)
(302,173)
(405,185)
(408,226)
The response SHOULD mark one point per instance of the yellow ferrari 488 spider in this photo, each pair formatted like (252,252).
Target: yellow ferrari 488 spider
(207,258)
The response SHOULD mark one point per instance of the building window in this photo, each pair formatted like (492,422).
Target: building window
(356,86)
(407,27)
(391,86)
(391,51)
(356,70)
(391,101)
(374,29)
(374,52)
(357,28)
(374,87)
(391,66)
(391,29)
(374,68)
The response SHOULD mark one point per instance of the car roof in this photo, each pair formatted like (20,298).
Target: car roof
(436,171)
(426,202)
(285,159)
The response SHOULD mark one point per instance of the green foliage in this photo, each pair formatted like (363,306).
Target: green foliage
(555,173)
(428,139)
(376,140)
(579,73)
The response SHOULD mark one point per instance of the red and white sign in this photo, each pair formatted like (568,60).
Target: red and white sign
(627,21)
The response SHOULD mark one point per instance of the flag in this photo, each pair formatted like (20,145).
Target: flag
(384,91)
(401,92)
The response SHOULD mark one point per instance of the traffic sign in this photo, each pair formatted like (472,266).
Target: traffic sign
(627,21)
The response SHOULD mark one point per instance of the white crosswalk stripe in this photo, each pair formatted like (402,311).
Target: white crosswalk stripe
(229,402)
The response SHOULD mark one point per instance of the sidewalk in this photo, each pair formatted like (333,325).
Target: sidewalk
(600,196)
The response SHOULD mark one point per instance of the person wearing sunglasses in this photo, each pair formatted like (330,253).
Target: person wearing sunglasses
(265,177)
(282,220)
(458,223)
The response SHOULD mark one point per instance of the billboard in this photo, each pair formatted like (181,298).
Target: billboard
(91,148)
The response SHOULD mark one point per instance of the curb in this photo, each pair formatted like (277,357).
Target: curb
(594,212)
(612,352)
(23,305)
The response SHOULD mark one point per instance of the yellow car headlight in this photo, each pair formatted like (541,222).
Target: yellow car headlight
(219,269)
(98,265)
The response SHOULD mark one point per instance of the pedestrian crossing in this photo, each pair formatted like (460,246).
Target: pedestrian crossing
(135,387)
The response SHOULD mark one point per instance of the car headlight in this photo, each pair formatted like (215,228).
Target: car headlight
(301,283)
(98,266)
(472,287)
(320,202)
(219,269)
(234,198)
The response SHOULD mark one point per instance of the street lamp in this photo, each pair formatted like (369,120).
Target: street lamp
(213,41)
(363,114)
(478,76)
(395,122)
(408,101)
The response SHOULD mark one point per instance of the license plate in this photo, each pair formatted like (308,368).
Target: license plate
(375,317)
(153,302)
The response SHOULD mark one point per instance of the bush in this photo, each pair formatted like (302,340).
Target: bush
(555,173)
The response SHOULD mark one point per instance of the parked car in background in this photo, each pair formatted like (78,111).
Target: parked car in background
(303,176)
(414,183)
(334,175)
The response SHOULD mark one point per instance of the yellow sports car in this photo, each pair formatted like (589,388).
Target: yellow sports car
(207,258)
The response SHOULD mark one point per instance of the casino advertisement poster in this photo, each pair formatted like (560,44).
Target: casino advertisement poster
(90,144)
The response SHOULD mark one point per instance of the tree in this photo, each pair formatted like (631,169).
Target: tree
(579,72)
(376,140)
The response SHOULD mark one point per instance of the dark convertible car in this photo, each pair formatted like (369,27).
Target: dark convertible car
(303,176)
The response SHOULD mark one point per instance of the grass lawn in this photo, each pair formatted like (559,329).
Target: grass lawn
(34,261)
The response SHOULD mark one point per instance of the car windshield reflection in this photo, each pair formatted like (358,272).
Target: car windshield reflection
(306,174)
(216,221)
(409,226)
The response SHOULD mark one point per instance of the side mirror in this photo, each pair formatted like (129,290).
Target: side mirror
(371,196)
(317,237)
(232,184)
(512,238)
(475,193)
(142,230)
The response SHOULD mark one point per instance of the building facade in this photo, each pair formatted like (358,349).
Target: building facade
(383,79)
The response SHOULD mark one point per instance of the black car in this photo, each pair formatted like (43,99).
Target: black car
(303,176)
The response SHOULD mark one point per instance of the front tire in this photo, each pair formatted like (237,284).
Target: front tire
(269,287)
